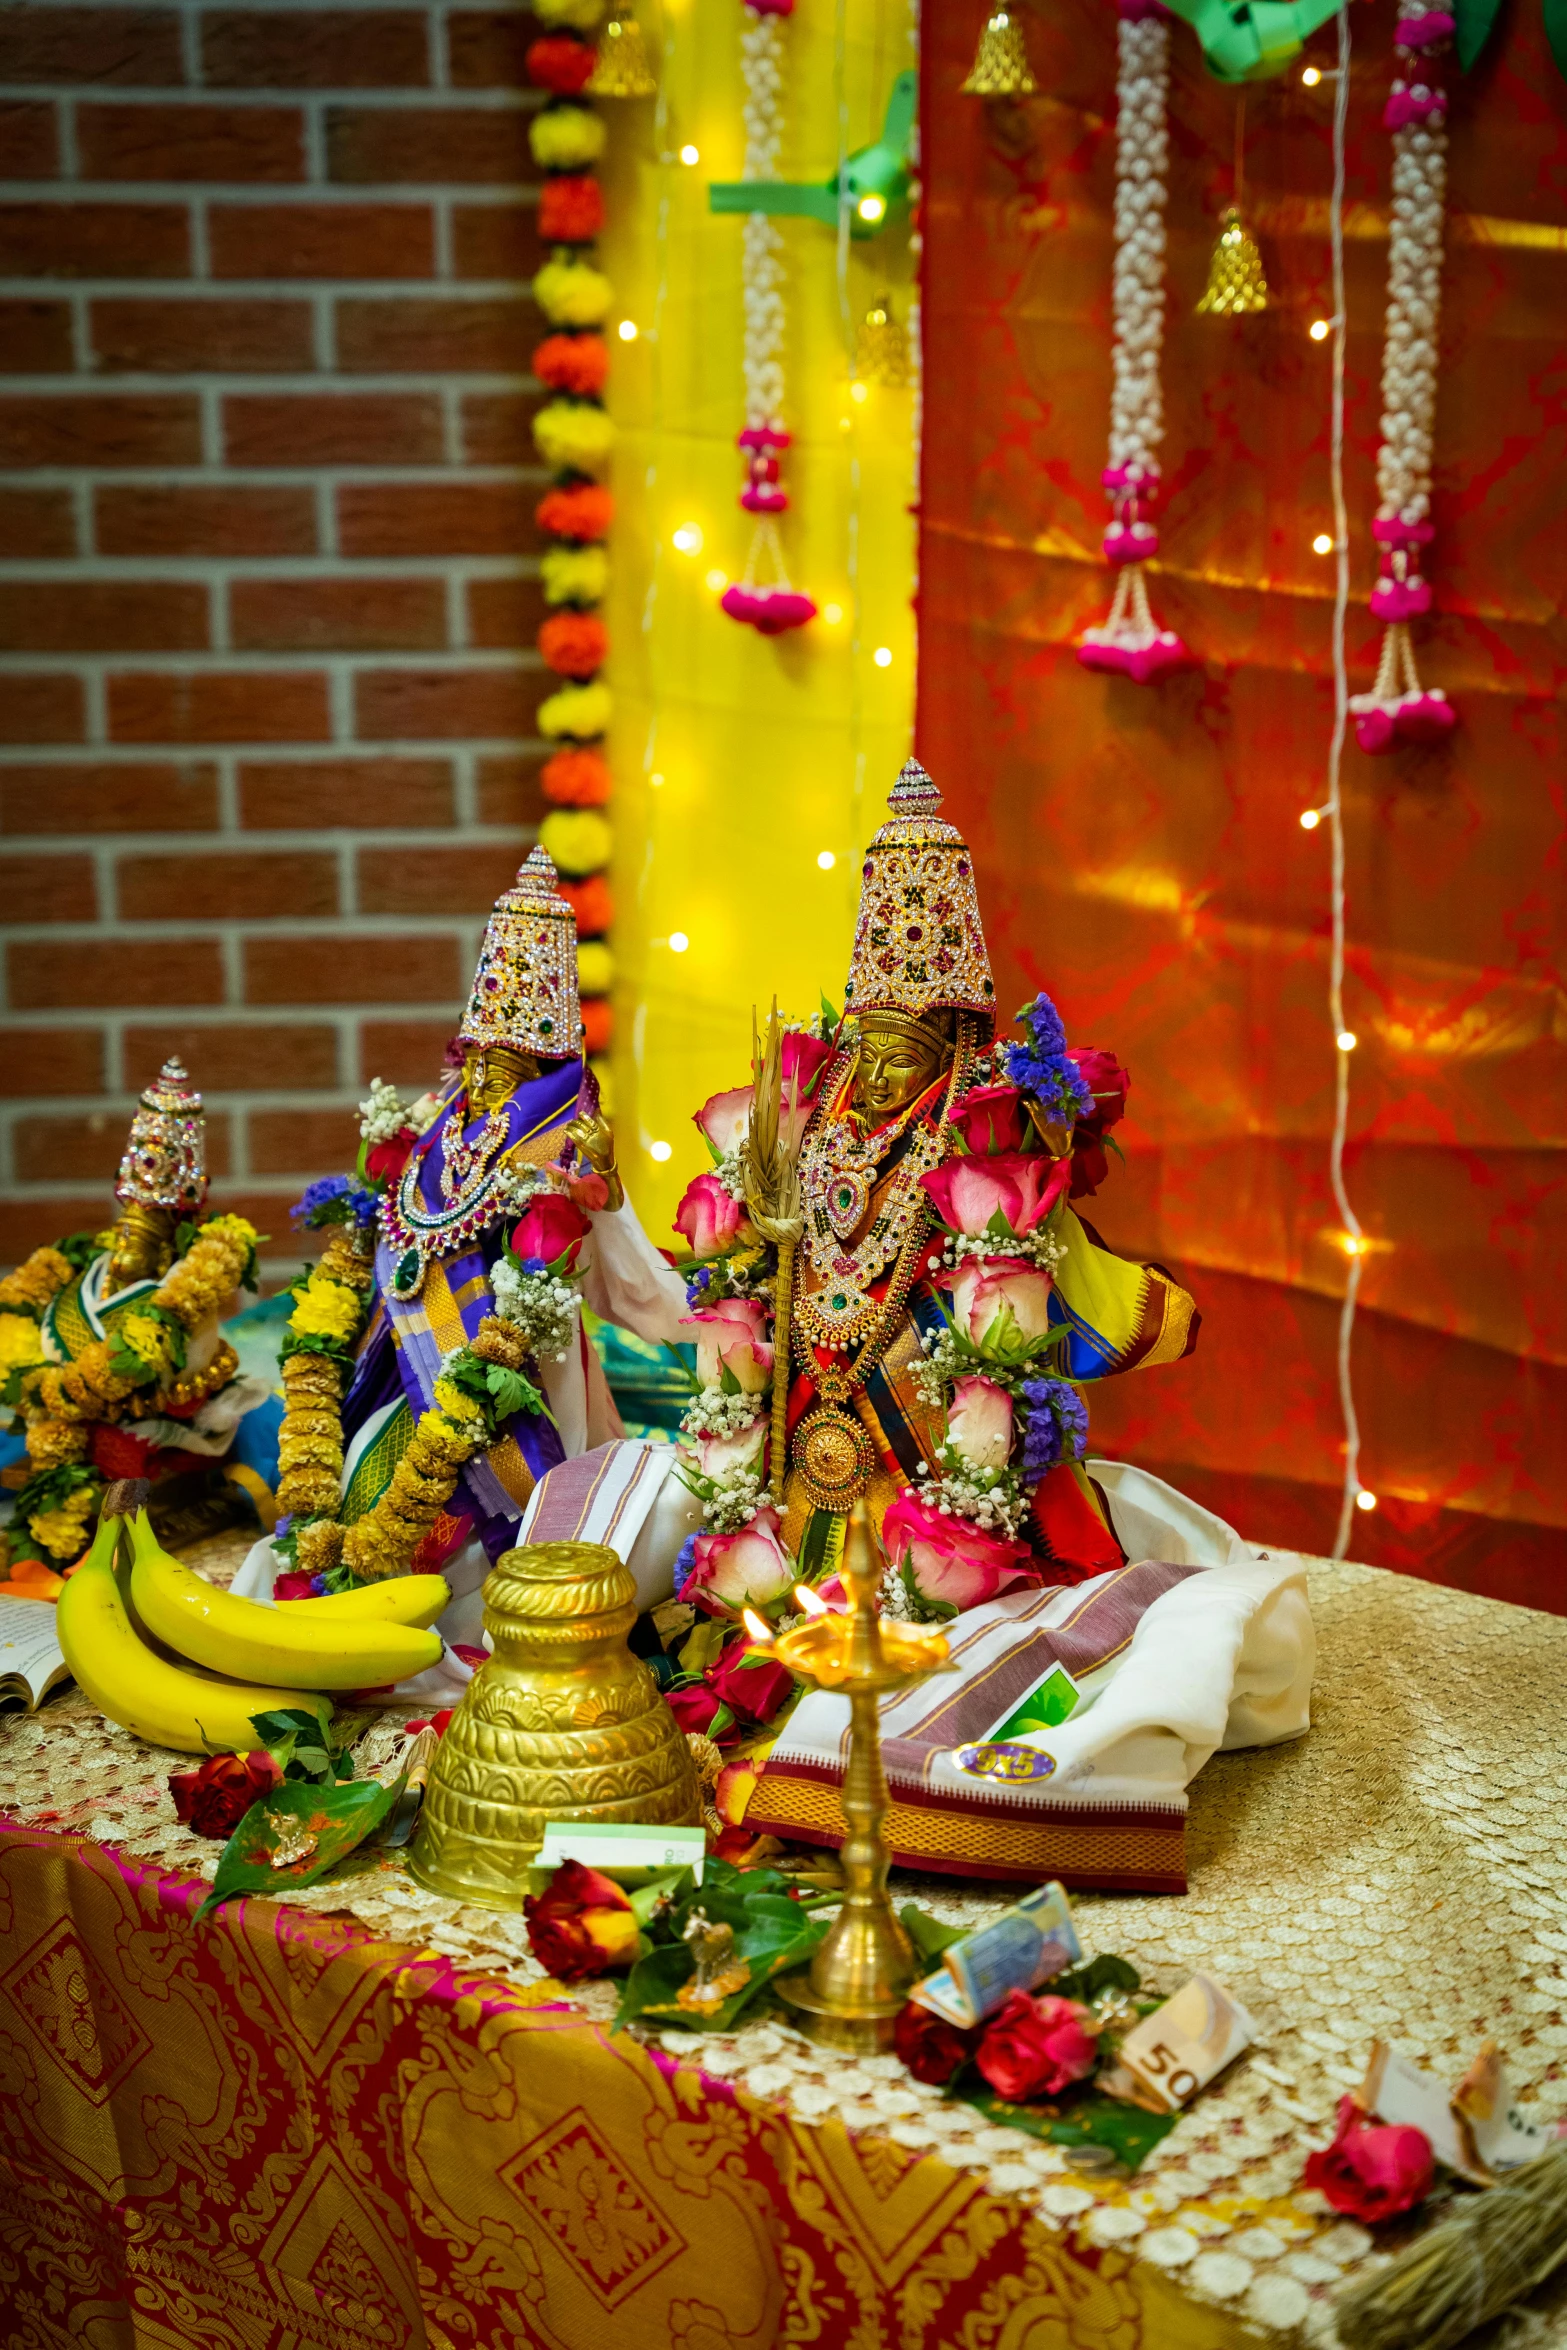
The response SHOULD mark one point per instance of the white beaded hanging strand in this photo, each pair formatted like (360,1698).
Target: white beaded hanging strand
(1131,640)
(1398,708)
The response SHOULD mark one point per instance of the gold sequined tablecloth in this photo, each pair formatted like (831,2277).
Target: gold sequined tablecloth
(1400,1872)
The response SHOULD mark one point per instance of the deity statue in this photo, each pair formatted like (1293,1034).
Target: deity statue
(113,1362)
(436,1364)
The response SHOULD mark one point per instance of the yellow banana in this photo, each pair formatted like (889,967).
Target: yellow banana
(164,1703)
(399,1599)
(241,1636)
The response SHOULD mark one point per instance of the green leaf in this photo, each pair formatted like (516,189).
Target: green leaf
(338,1817)
(1475,19)
(1081,2116)
(1555,31)
(929,1936)
(512,1392)
(1108,1973)
(297,1742)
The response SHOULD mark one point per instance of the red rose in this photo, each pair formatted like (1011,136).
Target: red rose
(385,1161)
(214,1799)
(1109,1083)
(1035,2047)
(753,1688)
(693,1707)
(294,1585)
(932,2048)
(582,1924)
(559,63)
(991,1118)
(1372,2170)
(550,1228)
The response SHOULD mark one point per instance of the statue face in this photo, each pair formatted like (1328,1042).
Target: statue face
(492,1075)
(896,1066)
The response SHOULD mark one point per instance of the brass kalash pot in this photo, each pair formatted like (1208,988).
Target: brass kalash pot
(562,1723)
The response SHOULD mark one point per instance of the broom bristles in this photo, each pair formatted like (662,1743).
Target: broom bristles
(1487,2255)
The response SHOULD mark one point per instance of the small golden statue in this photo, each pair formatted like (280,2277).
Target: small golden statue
(562,1723)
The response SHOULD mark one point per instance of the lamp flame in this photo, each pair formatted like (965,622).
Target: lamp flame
(759,1628)
(806,1599)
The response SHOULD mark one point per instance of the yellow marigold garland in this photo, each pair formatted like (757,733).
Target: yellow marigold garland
(33,1284)
(384,1540)
(331,1308)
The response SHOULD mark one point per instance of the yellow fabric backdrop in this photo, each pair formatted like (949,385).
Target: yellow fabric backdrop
(770,751)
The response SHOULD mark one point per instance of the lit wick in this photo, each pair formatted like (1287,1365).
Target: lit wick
(759,1628)
(808,1600)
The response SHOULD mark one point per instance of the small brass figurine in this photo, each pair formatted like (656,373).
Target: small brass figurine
(720,1970)
(562,1723)
(858,1980)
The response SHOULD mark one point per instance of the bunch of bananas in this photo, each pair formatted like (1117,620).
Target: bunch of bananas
(268,1657)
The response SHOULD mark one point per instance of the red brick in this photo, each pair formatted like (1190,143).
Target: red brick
(35,338)
(504,612)
(509,791)
(195,142)
(178,337)
(437,518)
(302,1142)
(88,1146)
(465,880)
(40,888)
(42,709)
(405,1052)
(234,706)
(321,240)
(49,975)
(100,428)
(446,704)
(238,1057)
(371,146)
(72,44)
(487,50)
(37,522)
(333,428)
(396,969)
(363,795)
(423,333)
(189,519)
(104,798)
(26,1224)
(236,885)
(28,138)
(496,240)
(102,615)
(337,615)
(51,1061)
(497,428)
(67,239)
(315,49)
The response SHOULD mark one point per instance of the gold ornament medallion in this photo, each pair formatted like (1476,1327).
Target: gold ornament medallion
(834,1457)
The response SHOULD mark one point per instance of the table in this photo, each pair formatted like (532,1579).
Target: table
(365,2118)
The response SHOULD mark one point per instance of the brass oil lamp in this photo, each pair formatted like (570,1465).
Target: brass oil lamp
(562,1723)
(850,1995)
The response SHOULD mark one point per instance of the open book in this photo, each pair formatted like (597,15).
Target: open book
(30,1660)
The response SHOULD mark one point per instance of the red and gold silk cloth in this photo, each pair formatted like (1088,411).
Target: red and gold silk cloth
(275,2132)
(1138,847)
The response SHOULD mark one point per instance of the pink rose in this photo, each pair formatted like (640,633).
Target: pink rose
(991,1119)
(1021,1187)
(984,1289)
(952,1562)
(1037,2047)
(729,1338)
(725,1119)
(753,1687)
(708,1216)
(719,1457)
(1109,1084)
(1371,2171)
(802,1060)
(732,1571)
(550,1227)
(979,1423)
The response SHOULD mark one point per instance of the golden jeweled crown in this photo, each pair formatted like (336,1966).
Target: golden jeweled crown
(525,988)
(918,945)
(165,1162)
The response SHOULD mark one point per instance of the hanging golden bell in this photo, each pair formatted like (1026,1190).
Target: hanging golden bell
(1001,68)
(1235,275)
(881,348)
(621,69)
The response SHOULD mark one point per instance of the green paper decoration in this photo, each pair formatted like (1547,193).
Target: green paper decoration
(1555,29)
(875,179)
(1252,40)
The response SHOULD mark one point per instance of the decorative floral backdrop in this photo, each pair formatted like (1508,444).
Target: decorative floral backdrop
(1139,846)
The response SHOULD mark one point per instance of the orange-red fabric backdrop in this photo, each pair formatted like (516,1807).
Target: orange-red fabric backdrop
(1139,847)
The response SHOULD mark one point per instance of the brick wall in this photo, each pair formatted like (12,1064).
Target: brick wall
(265,572)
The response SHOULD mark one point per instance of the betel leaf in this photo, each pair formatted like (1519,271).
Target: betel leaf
(335,1818)
(1106,1973)
(297,1741)
(931,1939)
(1474,20)
(1555,31)
(1080,2116)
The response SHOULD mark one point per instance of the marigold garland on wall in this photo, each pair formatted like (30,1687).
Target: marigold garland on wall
(1399,709)
(575,435)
